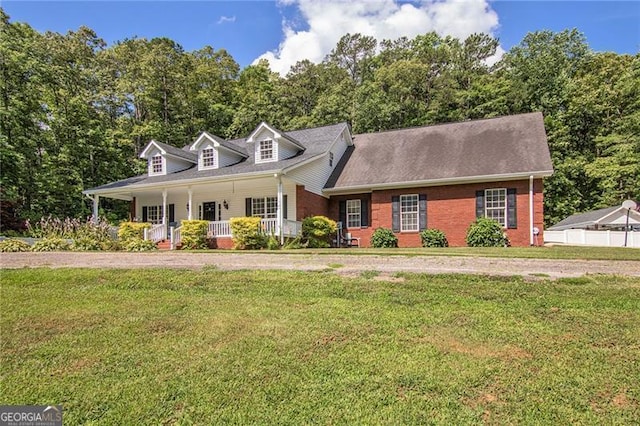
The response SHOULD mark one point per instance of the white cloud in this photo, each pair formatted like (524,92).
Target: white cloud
(224,19)
(329,20)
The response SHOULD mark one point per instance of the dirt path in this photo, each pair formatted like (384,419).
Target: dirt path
(348,264)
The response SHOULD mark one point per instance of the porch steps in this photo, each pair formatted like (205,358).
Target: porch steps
(164,245)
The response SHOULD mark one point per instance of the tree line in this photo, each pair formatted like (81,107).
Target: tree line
(75,113)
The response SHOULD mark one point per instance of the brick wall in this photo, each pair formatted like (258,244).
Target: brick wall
(310,204)
(449,208)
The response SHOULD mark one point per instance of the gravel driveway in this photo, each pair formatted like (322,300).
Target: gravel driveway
(346,264)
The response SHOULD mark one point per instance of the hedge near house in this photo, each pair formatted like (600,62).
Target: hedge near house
(130,230)
(486,232)
(317,231)
(194,234)
(384,238)
(247,233)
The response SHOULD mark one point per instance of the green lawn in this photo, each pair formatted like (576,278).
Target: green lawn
(551,252)
(203,347)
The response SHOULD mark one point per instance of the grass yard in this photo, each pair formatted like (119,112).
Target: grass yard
(203,347)
(550,252)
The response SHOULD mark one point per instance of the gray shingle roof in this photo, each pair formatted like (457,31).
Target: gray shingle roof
(233,147)
(177,152)
(316,141)
(490,147)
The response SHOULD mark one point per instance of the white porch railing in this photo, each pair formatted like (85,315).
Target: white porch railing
(175,235)
(156,233)
(222,228)
(291,228)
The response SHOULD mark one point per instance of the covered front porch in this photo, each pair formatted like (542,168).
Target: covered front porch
(272,198)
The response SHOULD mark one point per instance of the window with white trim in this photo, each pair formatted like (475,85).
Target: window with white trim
(154,214)
(156,164)
(409,213)
(208,156)
(495,205)
(354,214)
(264,207)
(265,150)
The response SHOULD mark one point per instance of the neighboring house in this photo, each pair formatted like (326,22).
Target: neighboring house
(604,227)
(610,218)
(441,176)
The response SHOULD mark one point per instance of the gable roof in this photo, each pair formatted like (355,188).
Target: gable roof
(166,149)
(239,150)
(287,136)
(497,148)
(316,141)
(594,217)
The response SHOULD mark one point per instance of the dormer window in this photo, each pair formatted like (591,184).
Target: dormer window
(208,156)
(156,164)
(266,150)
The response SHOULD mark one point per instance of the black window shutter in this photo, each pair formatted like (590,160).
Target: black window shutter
(422,209)
(144,213)
(247,207)
(284,207)
(342,213)
(512,219)
(364,213)
(479,204)
(172,213)
(395,213)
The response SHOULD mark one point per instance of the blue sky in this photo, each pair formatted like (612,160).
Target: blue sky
(289,30)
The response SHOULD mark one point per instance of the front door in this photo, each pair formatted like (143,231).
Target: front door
(209,211)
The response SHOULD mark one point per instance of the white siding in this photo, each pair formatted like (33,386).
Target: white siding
(216,157)
(234,193)
(223,158)
(314,175)
(152,153)
(226,159)
(286,150)
(173,165)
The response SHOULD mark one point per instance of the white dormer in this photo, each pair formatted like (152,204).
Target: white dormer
(163,159)
(271,144)
(214,152)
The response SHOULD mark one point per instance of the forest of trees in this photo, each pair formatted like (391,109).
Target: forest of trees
(75,113)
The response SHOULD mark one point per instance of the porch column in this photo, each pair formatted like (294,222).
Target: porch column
(279,211)
(164,206)
(96,203)
(190,204)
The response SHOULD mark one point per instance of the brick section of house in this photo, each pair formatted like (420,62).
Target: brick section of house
(310,204)
(364,232)
(450,208)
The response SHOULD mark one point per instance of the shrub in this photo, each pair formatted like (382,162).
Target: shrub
(68,228)
(293,243)
(194,234)
(14,246)
(138,244)
(486,233)
(383,238)
(51,244)
(130,230)
(317,231)
(247,233)
(433,238)
(273,243)
(86,244)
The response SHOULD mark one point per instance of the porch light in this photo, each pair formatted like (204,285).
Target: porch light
(225,204)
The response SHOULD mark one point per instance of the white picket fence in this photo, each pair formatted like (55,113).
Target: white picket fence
(592,238)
